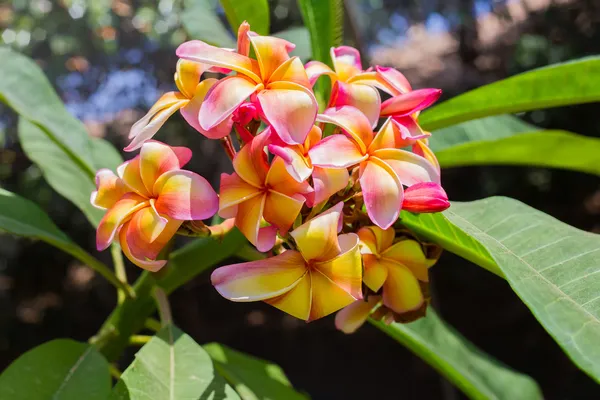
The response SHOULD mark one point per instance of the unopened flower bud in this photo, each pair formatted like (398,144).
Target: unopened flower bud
(425,197)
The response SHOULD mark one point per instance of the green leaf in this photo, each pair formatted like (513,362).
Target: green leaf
(256,12)
(474,372)
(63,173)
(22,217)
(550,265)
(556,85)
(324,20)
(26,90)
(60,370)
(252,378)
(202,23)
(505,140)
(301,38)
(51,137)
(172,366)
(436,228)
(19,216)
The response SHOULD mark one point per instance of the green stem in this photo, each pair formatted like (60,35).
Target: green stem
(101,268)
(164,308)
(120,272)
(152,324)
(114,371)
(139,340)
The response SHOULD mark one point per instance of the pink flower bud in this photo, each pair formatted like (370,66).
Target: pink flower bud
(245,113)
(425,197)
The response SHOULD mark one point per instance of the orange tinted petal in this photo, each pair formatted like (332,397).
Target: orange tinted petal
(317,238)
(297,301)
(109,189)
(116,216)
(352,121)
(410,254)
(345,270)
(401,291)
(353,316)
(281,210)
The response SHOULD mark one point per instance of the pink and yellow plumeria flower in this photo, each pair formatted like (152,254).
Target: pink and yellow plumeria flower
(319,278)
(149,200)
(347,87)
(394,268)
(257,191)
(326,181)
(276,82)
(384,168)
(187,100)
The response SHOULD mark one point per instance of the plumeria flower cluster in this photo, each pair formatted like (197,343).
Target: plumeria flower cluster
(319,193)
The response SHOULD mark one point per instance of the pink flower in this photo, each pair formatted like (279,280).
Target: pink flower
(320,277)
(277,82)
(384,168)
(149,200)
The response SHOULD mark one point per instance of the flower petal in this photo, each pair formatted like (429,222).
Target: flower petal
(345,270)
(156,158)
(150,265)
(223,99)
(145,227)
(410,254)
(248,220)
(395,135)
(420,148)
(130,173)
(234,190)
(409,167)
(200,52)
(184,195)
(270,52)
(150,123)
(291,71)
(363,97)
(375,273)
(346,62)
(296,302)
(278,179)
(352,121)
(243,40)
(382,192)
(109,189)
(317,238)
(394,80)
(353,316)
(297,165)
(327,182)
(260,280)
(187,76)
(281,210)
(250,163)
(401,291)
(116,216)
(191,112)
(327,297)
(290,109)
(425,197)
(375,240)
(411,102)
(336,151)
(315,69)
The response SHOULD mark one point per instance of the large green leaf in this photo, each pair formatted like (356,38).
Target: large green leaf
(477,374)
(256,12)
(22,217)
(51,137)
(202,22)
(172,366)
(505,140)
(59,169)
(26,90)
(252,378)
(60,370)
(324,20)
(552,266)
(556,85)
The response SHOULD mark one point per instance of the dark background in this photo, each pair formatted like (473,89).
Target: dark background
(110,60)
